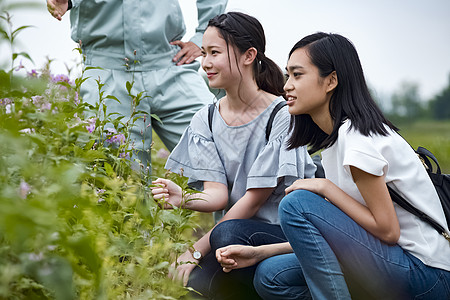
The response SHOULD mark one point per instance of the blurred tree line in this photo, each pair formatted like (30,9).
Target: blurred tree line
(407,106)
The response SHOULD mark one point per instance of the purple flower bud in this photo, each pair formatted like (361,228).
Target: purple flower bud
(91,125)
(124,155)
(20,66)
(37,99)
(162,153)
(46,106)
(24,189)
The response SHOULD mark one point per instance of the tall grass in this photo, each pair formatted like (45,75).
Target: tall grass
(433,135)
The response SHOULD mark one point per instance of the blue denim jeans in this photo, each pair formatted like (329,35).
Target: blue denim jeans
(211,281)
(333,255)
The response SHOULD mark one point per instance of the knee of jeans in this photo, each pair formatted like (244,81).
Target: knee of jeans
(297,200)
(225,233)
(261,281)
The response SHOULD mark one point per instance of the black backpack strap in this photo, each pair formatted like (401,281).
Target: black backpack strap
(425,155)
(418,213)
(276,109)
(272,117)
(210,115)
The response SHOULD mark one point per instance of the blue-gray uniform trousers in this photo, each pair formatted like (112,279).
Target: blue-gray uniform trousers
(173,93)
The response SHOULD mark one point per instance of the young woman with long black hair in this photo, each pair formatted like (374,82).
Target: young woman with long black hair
(345,229)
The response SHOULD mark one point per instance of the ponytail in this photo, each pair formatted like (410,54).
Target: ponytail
(268,75)
(244,32)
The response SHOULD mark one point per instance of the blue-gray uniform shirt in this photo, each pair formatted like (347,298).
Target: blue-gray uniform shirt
(241,158)
(111,30)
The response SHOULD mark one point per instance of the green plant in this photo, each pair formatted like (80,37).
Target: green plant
(76,220)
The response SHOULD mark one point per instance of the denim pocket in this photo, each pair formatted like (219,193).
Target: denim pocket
(439,290)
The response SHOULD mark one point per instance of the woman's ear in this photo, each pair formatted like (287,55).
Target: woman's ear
(332,81)
(250,55)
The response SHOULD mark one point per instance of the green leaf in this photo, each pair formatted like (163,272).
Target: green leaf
(79,81)
(89,145)
(83,248)
(93,68)
(154,116)
(24,54)
(18,30)
(4,34)
(113,98)
(129,86)
(109,170)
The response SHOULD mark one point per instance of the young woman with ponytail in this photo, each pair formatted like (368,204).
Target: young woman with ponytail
(229,157)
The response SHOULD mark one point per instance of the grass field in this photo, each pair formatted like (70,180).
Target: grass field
(435,136)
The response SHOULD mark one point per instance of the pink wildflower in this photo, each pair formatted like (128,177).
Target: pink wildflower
(20,66)
(60,78)
(162,153)
(24,189)
(5,101)
(118,138)
(113,137)
(33,73)
(124,155)
(46,106)
(91,125)
(37,99)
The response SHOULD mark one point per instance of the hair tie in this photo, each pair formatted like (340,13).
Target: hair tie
(262,57)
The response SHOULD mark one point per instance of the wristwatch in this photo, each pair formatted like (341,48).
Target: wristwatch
(195,253)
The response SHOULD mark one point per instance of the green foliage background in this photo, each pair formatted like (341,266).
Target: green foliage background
(433,135)
(77,217)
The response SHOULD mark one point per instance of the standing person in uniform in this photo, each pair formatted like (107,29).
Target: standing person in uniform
(140,42)
(227,152)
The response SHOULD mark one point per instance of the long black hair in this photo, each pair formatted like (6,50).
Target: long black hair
(244,32)
(351,98)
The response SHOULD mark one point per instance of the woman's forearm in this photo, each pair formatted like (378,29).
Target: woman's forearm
(378,217)
(266,251)
(213,198)
(202,245)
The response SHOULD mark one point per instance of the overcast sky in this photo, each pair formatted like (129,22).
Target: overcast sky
(400,40)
